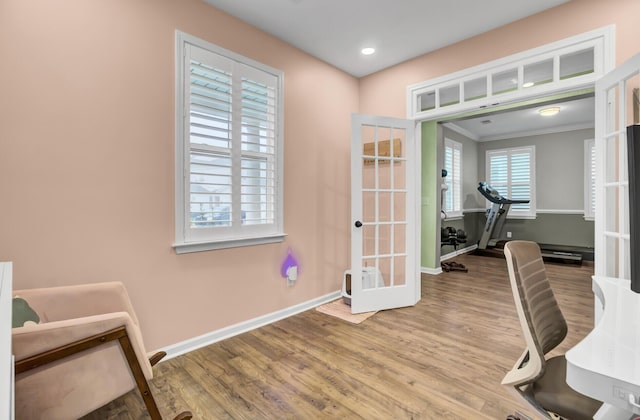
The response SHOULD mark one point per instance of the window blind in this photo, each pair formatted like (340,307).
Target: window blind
(453,180)
(210,145)
(510,172)
(257,196)
(229,118)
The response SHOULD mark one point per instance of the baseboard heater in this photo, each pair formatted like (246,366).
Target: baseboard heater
(562,255)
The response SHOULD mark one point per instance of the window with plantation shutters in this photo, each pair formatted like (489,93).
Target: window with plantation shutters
(511,173)
(589,179)
(228,149)
(453,180)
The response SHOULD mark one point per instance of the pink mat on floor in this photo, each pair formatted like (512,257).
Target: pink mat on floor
(341,310)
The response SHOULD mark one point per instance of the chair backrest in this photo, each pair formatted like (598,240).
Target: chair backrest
(542,322)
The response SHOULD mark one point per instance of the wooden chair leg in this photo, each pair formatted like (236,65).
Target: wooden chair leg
(157,357)
(141,381)
(185,415)
(138,375)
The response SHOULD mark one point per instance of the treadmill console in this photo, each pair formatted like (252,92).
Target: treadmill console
(494,196)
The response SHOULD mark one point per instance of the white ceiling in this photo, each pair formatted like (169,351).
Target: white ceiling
(574,114)
(336,30)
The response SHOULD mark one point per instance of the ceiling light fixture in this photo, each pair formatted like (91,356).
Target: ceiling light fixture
(548,112)
(368,51)
(528,84)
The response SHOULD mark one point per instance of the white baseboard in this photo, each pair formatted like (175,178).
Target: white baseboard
(432,271)
(232,330)
(458,252)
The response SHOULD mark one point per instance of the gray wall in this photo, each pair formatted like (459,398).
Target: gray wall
(559,167)
(470,195)
(559,186)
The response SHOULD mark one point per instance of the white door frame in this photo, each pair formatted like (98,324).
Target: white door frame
(604,38)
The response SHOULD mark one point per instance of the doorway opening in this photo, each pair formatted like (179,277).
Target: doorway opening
(540,166)
(560,174)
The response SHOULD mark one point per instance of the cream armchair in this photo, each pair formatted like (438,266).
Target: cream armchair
(85,351)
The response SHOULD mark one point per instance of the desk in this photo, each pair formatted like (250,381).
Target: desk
(605,365)
(6,358)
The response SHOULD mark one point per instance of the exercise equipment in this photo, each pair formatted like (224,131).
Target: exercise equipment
(491,244)
(496,214)
(453,237)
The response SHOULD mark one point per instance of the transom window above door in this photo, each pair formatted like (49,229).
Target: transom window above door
(568,65)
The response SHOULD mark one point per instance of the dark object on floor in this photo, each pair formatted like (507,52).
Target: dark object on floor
(453,266)
(451,236)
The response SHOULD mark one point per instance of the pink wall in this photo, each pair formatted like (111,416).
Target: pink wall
(87,142)
(87,163)
(384,93)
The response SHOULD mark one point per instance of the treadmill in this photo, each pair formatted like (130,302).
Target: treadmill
(496,217)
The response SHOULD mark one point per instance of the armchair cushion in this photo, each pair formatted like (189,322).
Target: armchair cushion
(78,384)
(22,313)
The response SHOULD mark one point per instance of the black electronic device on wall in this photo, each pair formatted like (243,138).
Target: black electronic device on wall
(633,153)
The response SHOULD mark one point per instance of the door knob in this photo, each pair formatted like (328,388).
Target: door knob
(358,223)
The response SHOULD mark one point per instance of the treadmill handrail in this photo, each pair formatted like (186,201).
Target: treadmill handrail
(486,190)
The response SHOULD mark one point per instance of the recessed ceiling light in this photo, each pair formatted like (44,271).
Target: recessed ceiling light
(368,51)
(547,112)
(528,84)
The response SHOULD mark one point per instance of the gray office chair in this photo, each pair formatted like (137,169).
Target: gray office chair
(539,381)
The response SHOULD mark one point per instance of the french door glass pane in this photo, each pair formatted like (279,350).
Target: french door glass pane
(475,89)
(576,64)
(538,73)
(450,95)
(504,81)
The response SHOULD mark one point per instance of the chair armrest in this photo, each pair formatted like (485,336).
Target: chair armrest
(35,339)
(67,302)
(520,375)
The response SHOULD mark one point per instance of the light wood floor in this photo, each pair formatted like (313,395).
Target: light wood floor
(442,359)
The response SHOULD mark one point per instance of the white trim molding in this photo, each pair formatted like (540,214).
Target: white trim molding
(432,271)
(461,251)
(540,132)
(462,131)
(560,211)
(195,343)
(445,96)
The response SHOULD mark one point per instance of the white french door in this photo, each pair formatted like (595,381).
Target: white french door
(616,108)
(385,271)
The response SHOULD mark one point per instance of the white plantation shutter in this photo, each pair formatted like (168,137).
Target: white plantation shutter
(511,173)
(520,172)
(229,171)
(210,140)
(257,195)
(453,180)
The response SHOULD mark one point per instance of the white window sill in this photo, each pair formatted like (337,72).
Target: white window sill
(454,217)
(184,248)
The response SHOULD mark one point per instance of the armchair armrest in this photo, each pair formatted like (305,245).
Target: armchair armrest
(35,339)
(67,302)
(522,373)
